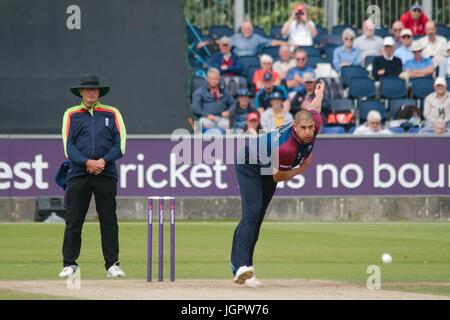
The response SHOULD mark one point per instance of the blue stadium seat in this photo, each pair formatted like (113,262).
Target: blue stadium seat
(341,104)
(275,32)
(321,36)
(313,61)
(329,50)
(397,130)
(351,130)
(220,31)
(350,72)
(365,106)
(395,104)
(421,87)
(392,88)
(259,30)
(369,60)
(414,130)
(249,61)
(338,29)
(332,130)
(361,88)
(334,39)
(448,83)
(443,30)
(382,32)
(250,72)
(311,51)
(198,83)
(191,35)
(272,51)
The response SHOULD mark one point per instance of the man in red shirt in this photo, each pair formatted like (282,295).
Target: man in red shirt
(415,20)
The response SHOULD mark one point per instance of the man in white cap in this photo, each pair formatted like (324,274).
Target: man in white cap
(437,104)
(387,64)
(418,66)
(369,43)
(404,52)
(435,47)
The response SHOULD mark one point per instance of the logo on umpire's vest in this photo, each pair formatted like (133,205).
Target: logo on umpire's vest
(107,122)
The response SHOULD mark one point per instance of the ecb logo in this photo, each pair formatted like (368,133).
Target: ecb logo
(374,13)
(73,21)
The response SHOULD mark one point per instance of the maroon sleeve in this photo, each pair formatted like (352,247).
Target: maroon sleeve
(317,121)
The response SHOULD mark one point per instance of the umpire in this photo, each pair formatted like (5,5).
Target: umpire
(94,137)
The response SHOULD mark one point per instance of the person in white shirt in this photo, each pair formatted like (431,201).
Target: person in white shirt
(373,125)
(299,28)
(437,104)
(285,63)
(435,48)
(369,43)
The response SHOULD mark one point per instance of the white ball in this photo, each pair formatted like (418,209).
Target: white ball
(386,258)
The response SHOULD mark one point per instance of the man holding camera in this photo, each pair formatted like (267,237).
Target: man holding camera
(299,28)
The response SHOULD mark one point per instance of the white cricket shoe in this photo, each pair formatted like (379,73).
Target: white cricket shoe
(115,272)
(243,273)
(67,271)
(253,282)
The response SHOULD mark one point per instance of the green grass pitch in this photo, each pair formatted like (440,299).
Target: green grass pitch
(304,250)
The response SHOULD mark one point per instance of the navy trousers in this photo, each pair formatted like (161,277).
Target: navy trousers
(256,192)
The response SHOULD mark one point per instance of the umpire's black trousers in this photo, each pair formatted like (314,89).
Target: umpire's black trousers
(79,193)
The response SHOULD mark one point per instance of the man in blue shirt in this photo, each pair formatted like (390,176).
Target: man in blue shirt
(419,66)
(347,54)
(294,79)
(404,51)
(247,43)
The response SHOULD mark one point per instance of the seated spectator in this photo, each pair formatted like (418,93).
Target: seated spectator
(415,20)
(439,127)
(419,66)
(299,28)
(448,59)
(368,43)
(263,95)
(437,104)
(387,64)
(396,31)
(240,110)
(266,67)
(347,54)
(247,43)
(252,125)
(404,52)
(285,63)
(407,117)
(275,116)
(211,104)
(373,125)
(435,47)
(303,99)
(226,61)
(207,48)
(294,78)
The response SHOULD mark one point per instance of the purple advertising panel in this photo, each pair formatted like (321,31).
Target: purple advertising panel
(342,166)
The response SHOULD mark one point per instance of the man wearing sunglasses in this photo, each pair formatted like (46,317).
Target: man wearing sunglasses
(415,20)
(404,53)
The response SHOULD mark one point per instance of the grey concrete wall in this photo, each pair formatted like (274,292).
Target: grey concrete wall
(319,209)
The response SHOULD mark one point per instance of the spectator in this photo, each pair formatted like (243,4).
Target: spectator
(415,20)
(275,116)
(294,78)
(266,67)
(435,48)
(299,28)
(397,28)
(387,64)
(368,43)
(240,110)
(404,52)
(448,59)
(437,104)
(252,125)
(209,47)
(226,61)
(302,100)
(247,43)
(285,63)
(418,66)
(373,125)
(263,95)
(346,54)
(439,127)
(211,104)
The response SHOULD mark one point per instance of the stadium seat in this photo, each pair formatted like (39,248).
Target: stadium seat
(313,61)
(382,32)
(192,33)
(350,72)
(392,88)
(220,31)
(443,30)
(365,106)
(322,34)
(351,130)
(272,51)
(332,130)
(448,83)
(339,29)
(329,50)
(369,60)
(250,72)
(275,32)
(361,88)
(396,104)
(334,39)
(197,83)
(414,130)
(397,130)
(249,61)
(421,87)
(259,30)
(341,105)
(311,51)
